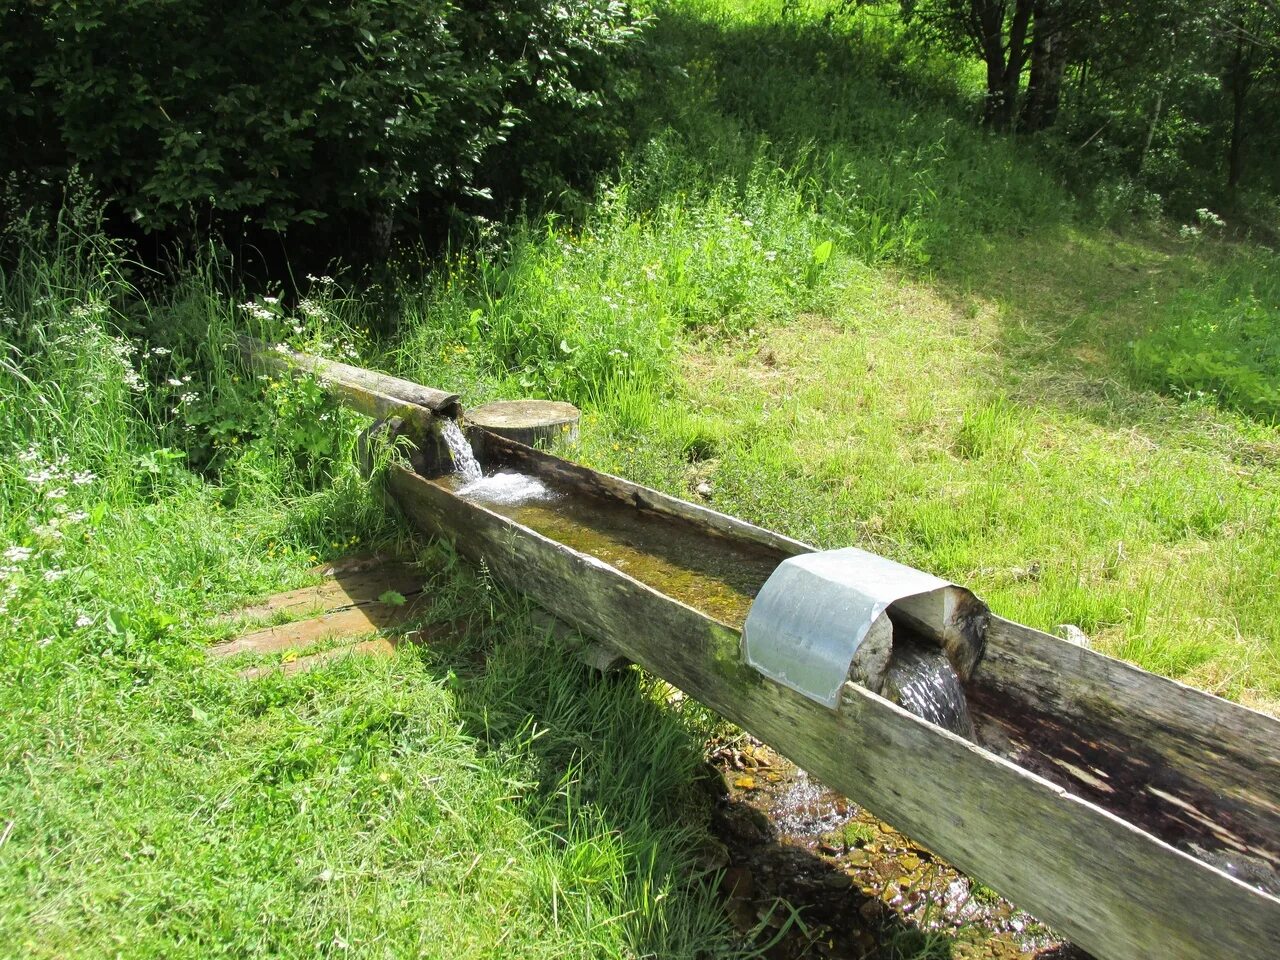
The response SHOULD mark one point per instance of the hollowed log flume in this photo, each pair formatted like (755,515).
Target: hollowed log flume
(1136,815)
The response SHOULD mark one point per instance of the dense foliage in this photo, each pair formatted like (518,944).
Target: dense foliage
(279,113)
(1175,96)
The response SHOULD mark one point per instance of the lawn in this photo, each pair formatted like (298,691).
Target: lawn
(811,285)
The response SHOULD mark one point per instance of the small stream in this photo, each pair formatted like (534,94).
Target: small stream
(862,889)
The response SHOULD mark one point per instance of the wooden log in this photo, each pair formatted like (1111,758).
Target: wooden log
(374,394)
(1115,889)
(1207,759)
(534,423)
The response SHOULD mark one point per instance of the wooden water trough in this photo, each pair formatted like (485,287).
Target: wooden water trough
(1137,816)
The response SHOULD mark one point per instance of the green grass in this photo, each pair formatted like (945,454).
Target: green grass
(812,285)
(483,797)
(967,381)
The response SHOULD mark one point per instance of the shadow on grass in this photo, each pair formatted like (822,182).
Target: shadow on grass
(889,156)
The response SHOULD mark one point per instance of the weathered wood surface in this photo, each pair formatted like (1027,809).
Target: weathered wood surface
(1115,716)
(1197,750)
(347,589)
(530,422)
(374,394)
(354,621)
(1115,890)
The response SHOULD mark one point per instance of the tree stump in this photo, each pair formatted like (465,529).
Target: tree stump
(531,422)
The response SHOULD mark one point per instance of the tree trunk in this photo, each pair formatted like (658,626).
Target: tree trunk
(1004,59)
(1048,64)
(1239,79)
(1151,128)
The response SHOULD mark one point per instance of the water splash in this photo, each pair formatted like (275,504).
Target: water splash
(465,463)
(808,809)
(922,680)
(506,488)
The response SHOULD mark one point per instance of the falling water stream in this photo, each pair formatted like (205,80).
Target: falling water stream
(922,680)
(465,464)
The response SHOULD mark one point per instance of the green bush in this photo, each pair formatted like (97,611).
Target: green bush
(276,113)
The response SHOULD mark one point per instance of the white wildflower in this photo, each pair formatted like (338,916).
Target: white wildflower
(84,620)
(83,478)
(57,493)
(1205,215)
(18,554)
(271,301)
(257,311)
(311,310)
(174,382)
(78,516)
(53,576)
(29,455)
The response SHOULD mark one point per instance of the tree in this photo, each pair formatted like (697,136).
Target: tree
(997,31)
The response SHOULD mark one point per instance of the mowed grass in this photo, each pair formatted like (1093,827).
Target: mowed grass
(864,322)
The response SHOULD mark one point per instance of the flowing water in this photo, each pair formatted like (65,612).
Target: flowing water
(922,680)
(714,574)
(465,464)
(506,488)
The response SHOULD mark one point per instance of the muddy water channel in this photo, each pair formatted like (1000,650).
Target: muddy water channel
(861,889)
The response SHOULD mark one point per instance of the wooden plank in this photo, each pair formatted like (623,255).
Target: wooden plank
(1115,890)
(347,590)
(355,621)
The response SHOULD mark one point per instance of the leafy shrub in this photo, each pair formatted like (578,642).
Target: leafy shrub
(279,113)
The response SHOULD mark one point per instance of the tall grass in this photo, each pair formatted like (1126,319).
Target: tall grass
(152,803)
